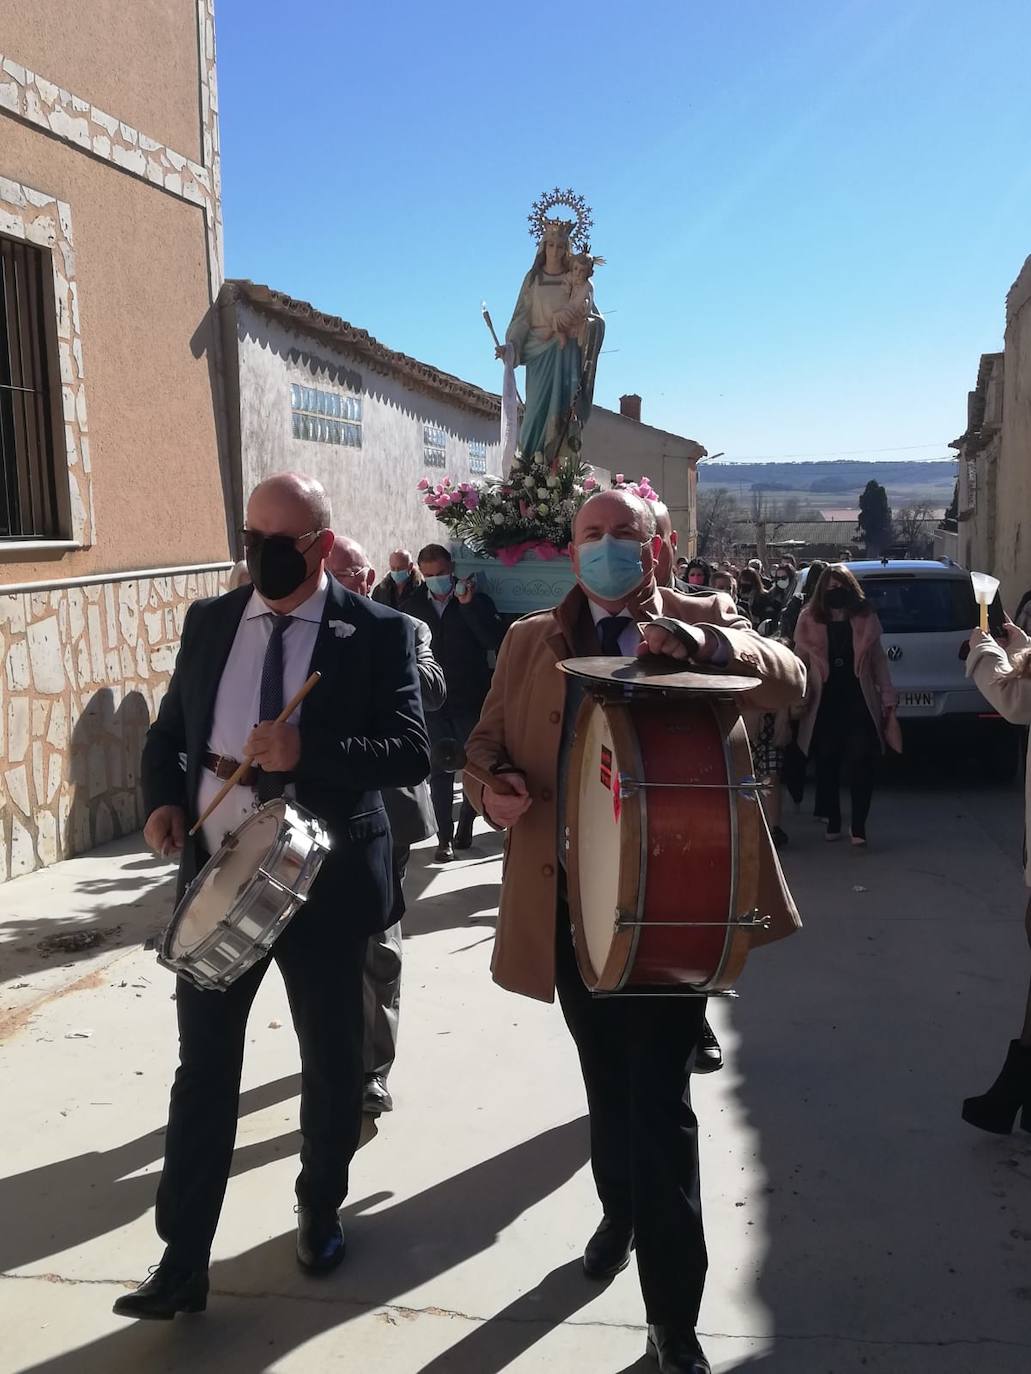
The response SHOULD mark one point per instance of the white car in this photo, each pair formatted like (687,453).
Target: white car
(927,610)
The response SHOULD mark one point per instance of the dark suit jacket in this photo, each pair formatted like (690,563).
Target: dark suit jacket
(361,729)
(411,808)
(462,638)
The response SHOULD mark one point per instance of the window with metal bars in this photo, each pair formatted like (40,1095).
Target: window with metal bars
(29,394)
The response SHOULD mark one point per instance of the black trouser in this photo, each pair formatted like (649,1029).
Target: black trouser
(854,745)
(451,723)
(321,960)
(636,1054)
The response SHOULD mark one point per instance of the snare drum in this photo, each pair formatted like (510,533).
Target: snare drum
(245,895)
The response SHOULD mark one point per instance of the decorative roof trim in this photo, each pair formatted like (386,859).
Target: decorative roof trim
(303,316)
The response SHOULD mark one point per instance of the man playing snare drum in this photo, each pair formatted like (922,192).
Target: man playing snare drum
(242,659)
(636,1053)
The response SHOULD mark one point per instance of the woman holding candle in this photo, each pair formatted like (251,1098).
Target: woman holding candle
(1001,667)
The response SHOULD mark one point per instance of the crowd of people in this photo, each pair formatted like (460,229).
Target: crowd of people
(417,678)
(847,719)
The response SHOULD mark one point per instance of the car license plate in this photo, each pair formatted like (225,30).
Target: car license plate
(917,699)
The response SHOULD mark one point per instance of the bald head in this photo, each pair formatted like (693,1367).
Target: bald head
(291,495)
(668,550)
(349,564)
(401,561)
(615,512)
(287,515)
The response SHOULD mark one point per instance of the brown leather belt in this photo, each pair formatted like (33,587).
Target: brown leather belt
(224,767)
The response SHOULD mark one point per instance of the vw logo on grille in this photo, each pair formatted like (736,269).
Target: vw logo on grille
(894,653)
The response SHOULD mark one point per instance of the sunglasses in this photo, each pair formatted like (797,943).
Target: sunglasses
(255,539)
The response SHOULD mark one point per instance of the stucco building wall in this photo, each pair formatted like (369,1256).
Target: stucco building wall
(614,443)
(994,526)
(1013,503)
(372,488)
(132,59)
(109,163)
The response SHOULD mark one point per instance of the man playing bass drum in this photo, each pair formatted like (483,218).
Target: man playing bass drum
(636,1053)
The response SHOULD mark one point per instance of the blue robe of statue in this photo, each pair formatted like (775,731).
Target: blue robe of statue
(559,379)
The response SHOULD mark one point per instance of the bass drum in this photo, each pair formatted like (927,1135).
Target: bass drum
(662,833)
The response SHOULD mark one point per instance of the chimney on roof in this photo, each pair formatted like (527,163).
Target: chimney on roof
(630,406)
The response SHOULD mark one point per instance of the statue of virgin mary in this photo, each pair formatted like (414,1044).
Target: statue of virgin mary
(556,333)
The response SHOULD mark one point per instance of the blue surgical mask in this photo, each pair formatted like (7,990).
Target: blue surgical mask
(611,568)
(400,574)
(440,584)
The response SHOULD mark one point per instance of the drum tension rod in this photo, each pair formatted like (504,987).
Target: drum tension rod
(281,887)
(628,785)
(748,921)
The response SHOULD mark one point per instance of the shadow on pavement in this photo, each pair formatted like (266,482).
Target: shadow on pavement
(495,1344)
(59,1206)
(894,1231)
(390,1253)
(27,945)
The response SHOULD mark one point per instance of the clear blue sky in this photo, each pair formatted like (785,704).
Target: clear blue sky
(811,209)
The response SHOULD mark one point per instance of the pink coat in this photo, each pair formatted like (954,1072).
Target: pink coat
(871,669)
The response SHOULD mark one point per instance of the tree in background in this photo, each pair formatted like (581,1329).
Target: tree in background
(874,518)
(913,525)
(950,520)
(717,524)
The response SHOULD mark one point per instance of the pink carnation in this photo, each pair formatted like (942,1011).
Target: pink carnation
(423,484)
(455,498)
(590,483)
(472,499)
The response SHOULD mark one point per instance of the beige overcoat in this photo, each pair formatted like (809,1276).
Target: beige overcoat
(521,724)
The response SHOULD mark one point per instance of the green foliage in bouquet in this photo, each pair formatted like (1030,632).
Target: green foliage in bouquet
(532,505)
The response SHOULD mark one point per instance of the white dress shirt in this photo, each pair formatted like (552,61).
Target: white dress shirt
(238,701)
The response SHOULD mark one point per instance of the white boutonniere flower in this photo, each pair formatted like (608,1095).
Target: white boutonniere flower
(341,629)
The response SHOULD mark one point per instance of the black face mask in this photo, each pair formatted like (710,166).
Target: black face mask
(836,599)
(277,567)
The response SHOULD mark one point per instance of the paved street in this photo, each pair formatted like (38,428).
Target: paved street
(855,1223)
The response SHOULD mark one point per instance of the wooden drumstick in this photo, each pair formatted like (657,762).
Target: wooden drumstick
(495,781)
(231,782)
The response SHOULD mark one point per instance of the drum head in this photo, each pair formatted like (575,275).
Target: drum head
(222,880)
(655,674)
(598,840)
(605,840)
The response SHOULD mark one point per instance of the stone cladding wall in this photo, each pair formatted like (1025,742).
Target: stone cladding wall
(84,671)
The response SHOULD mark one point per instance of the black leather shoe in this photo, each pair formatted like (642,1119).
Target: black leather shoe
(608,1250)
(166,1292)
(677,1350)
(442,854)
(375,1097)
(320,1240)
(709,1056)
(464,835)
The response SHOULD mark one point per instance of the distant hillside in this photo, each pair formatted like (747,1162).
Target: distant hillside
(835,482)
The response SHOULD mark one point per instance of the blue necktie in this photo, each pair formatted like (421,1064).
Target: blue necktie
(272,784)
(610,628)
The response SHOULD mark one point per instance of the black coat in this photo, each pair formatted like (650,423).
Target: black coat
(462,638)
(411,808)
(361,729)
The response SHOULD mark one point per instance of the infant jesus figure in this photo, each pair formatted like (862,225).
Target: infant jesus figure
(569,321)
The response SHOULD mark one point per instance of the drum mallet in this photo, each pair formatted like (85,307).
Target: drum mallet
(231,782)
(448,756)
